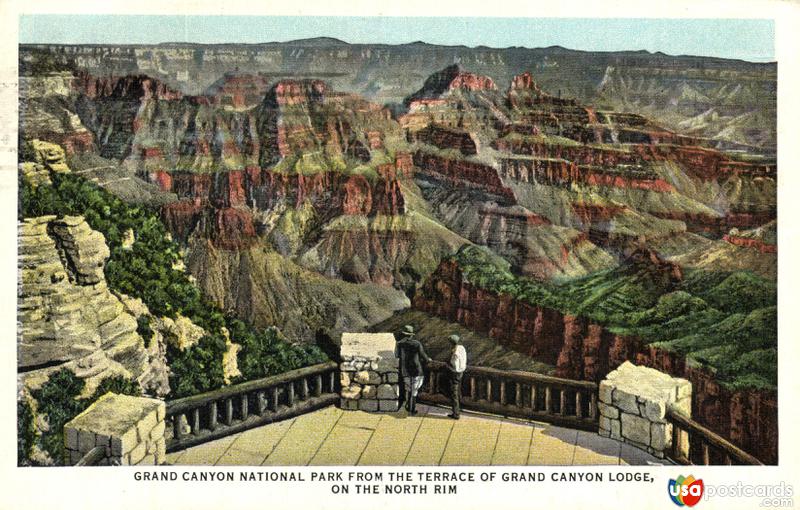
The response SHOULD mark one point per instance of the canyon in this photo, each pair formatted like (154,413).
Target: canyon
(327,190)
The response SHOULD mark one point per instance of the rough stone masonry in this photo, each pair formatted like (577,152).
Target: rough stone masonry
(131,429)
(369,372)
(633,406)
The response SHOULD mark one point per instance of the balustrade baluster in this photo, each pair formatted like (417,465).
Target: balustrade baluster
(245,410)
(332,380)
(261,402)
(290,394)
(593,406)
(318,385)
(676,442)
(548,395)
(472,389)
(518,396)
(196,421)
(489,390)
(533,397)
(177,430)
(502,393)
(212,415)
(274,404)
(303,388)
(562,404)
(728,460)
(228,411)
(579,404)
(706,454)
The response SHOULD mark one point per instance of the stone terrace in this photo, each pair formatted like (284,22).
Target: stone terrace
(334,437)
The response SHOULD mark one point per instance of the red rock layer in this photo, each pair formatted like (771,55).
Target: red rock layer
(76,142)
(227,228)
(230,197)
(446,138)
(375,139)
(443,82)
(709,163)
(402,168)
(238,90)
(718,225)
(592,213)
(581,349)
(139,87)
(424,103)
(625,181)
(335,192)
(523,216)
(756,244)
(292,92)
(560,172)
(463,173)
(702,162)
(524,93)
(181,217)
(472,81)
(525,81)
(579,154)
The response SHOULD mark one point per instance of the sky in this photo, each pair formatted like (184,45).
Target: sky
(746,39)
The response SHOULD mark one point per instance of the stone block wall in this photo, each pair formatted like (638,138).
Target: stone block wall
(368,372)
(131,429)
(633,405)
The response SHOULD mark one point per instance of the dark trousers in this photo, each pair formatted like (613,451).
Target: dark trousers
(455,391)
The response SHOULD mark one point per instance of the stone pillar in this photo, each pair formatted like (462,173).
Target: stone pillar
(131,429)
(369,372)
(633,406)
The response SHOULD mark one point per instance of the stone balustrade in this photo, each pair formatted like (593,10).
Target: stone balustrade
(131,429)
(369,374)
(633,402)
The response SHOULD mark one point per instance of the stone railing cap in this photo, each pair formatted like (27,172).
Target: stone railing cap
(114,414)
(644,381)
(371,345)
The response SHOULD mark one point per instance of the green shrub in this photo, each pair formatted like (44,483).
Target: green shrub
(116,384)
(267,352)
(26,431)
(144,329)
(198,368)
(58,401)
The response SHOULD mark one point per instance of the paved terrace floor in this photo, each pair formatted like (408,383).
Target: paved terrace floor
(331,436)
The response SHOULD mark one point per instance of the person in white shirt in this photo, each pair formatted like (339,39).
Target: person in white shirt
(457,365)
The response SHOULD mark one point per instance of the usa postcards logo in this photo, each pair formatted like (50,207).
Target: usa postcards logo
(685,491)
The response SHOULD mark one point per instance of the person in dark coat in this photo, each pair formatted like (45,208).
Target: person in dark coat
(412,356)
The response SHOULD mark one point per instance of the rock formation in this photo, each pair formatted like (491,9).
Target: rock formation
(67,314)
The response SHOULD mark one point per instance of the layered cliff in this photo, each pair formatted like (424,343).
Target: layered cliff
(583,348)
(68,316)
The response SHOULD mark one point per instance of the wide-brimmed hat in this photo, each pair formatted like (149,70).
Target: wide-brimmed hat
(455,339)
(408,330)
